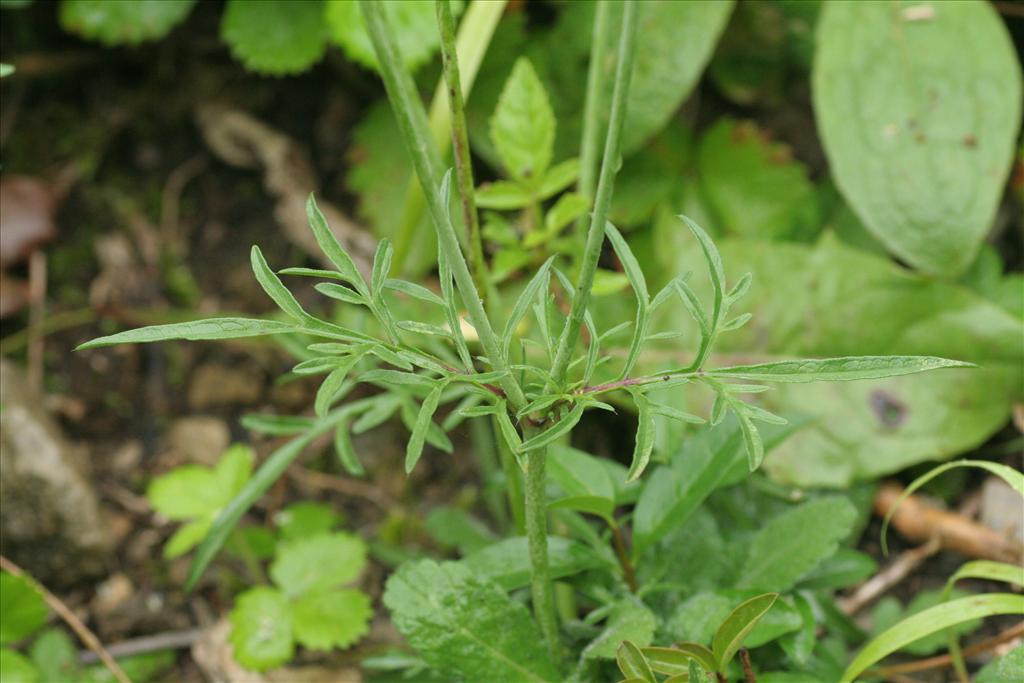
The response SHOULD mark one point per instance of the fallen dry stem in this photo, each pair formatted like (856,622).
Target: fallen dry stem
(81,630)
(917,521)
(882,582)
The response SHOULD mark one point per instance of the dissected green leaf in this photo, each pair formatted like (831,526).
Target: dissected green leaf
(645,436)
(792,544)
(523,125)
(275,37)
(332,248)
(123,23)
(261,629)
(920,145)
(197,330)
(424,420)
(330,619)
(629,620)
(562,426)
(730,635)
(316,563)
(22,607)
(277,425)
(930,621)
(273,286)
(465,626)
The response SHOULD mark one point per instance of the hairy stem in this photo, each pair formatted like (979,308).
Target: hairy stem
(537,537)
(592,119)
(474,38)
(460,146)
(412,123)
(595,235)
(627,566)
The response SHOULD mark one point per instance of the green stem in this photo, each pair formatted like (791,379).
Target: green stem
(460,145)
(591,138)
(513,482)
(595,235)
(537,538)
(412,123)
(475,33)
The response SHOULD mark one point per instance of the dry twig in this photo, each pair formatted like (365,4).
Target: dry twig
(1014,632)
(81,630)
(879,584)
(917,521)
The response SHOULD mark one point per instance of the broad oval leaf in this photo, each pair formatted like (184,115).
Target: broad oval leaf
(729,636)
(261,629)
(919,106)
(630,620)
(931,621)
(793,543)
(466,626)
(523,125)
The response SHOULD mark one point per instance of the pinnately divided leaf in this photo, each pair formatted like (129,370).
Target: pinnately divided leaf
(635,274)
(644,436)
(273,286)
(560,428)
(196,330)
(837,369)
(414,448)
(332,248)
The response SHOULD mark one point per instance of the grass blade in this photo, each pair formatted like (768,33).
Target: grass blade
(930,621)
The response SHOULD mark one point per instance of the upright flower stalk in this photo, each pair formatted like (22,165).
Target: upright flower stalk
(412,122)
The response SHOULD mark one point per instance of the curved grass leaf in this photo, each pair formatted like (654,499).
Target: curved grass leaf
(930,621)
(1011,476)
(676,659)
(414,449)
(837,369)
(261,481)
(740,622)
(985,569)
(273,286)
(633,664)
(196,330)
